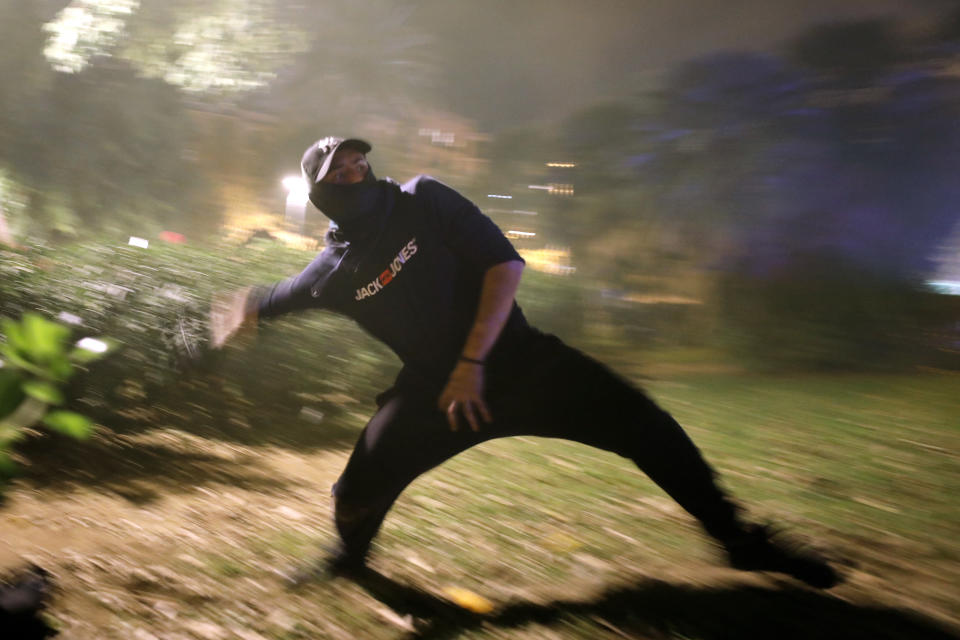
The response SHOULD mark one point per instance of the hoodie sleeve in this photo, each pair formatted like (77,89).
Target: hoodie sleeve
(465,229)
(309,289)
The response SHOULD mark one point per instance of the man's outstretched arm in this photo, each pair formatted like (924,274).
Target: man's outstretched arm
(464,390)
(232,311)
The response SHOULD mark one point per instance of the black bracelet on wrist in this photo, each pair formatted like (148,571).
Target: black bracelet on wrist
(472,360)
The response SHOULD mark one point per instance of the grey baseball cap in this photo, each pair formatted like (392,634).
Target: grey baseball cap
(316,159)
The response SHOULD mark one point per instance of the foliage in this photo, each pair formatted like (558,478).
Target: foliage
(753,157)
(812,185)
(154,304)
(226,46)
(235,46)
(37,363)
(830,314)
(109,108)
(86,30)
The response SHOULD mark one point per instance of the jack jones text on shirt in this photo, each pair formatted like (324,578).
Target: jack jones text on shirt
(389,273)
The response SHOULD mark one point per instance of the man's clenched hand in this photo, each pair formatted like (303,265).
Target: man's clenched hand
(464,395)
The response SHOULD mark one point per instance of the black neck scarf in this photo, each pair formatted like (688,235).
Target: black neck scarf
(358,210)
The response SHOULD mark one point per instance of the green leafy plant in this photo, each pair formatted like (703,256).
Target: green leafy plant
(36,361)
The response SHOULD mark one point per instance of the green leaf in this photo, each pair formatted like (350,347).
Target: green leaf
(11,394)
(13,332)
(44,339)
(14,358)
(43,391)
(11,329)
(69,423)
(59,368)
(7,466)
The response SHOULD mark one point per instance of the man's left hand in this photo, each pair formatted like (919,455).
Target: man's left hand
(464,395)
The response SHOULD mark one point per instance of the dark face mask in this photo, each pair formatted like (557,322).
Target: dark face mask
(354,207)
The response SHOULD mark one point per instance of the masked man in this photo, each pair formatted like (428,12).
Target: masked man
(423,270)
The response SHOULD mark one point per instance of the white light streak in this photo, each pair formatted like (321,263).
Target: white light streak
(520,212)
(69,318)
(92,344)
(949,287)
(495,195)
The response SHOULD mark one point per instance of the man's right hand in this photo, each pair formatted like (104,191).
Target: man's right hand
(228,314)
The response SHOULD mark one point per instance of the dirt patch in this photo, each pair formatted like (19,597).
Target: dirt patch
(192,542)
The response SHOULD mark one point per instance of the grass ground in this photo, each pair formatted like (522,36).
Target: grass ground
(171,534)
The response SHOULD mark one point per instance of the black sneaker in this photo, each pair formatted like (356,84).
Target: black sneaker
(759,548)
(22,597)
(25,593)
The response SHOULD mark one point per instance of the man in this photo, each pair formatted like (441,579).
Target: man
(424,271)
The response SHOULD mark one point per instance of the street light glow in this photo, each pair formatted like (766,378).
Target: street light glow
(295,183)
(298,193)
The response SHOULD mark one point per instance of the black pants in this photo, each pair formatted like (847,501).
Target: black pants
(546,389)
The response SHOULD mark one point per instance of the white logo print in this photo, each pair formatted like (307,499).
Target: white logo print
(382,280)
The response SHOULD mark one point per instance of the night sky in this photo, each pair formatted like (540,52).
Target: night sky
(508,62)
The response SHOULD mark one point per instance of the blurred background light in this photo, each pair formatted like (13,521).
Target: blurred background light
(92,344)
(950,287)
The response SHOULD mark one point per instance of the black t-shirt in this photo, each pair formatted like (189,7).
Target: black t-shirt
(416,285)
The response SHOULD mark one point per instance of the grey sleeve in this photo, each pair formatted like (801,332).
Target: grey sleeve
(295,293)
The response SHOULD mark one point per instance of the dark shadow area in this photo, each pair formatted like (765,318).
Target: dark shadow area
(214,406)
(126,460)
(23,596)
(140,472)
(243,424)
(655,609)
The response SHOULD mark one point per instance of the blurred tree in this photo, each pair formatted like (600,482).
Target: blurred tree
(22,67)
(363,62)
(223,47)
(826,183)
(26,77)
(120,149)
(213,46)
(92,124)
(85,30)
(726,130)
(604,141)
(305,68)
(850,52)
(763,160)
(825,174)
(516,158)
